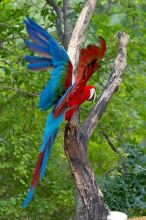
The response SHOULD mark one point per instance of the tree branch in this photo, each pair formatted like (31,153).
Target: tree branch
(110,88)
(90,204)
(79,30)
(67,22)
(115,149)
(59,20)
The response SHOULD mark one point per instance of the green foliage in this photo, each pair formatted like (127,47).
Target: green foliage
(124,188)
(22,124)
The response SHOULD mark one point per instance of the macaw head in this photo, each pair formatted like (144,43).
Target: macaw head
(90,93)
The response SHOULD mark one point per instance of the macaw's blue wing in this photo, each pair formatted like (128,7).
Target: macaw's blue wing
(52,55)
(43,41)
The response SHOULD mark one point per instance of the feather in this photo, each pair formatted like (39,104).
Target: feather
(29,197)
(62,105)
(54,89)
(30,23)
(47,153)
(39,66)
(52,126)
(89,61)
(59,55)
(53,55)
(40,168)
(37,49)
(36,59)
(36,37)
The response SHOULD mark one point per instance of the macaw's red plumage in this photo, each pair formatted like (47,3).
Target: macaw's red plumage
(59,93)
(74,102)
(89,62)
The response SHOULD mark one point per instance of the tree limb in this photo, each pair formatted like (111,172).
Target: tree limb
(115,149)
(90,204)
(59,20)
(79,30)
(67,22)
(110,88)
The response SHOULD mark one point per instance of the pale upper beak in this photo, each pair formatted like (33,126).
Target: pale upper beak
(93,98)
(92,95)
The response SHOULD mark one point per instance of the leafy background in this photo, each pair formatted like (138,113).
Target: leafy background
(122,176)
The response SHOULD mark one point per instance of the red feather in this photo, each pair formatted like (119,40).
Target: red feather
(90,60)
(36,176)
(74,99)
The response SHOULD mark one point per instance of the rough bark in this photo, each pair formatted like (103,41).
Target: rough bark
(90,201)
(113,147)
(78,32)
(90,198)
(90,204)
(59,19)
(111,87)
(67,23)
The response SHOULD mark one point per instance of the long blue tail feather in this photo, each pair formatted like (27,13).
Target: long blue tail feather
(29,197)
(52,125)
(47,154)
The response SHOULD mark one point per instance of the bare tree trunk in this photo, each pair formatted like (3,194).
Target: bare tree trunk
(67,22)
(90,204)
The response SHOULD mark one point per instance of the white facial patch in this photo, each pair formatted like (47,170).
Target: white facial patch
(92,92)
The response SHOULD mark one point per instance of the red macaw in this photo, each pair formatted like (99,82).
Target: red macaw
(60,92)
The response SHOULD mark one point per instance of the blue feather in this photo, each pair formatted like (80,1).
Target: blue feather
(36,38)
(52,125)
(29,197)
(47,153)
(39,66)
(36,59)
(48,47)
(32,24)
(36,48)
(50,94)
(59,55)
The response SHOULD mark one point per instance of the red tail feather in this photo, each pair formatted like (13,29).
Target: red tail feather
(36,176)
